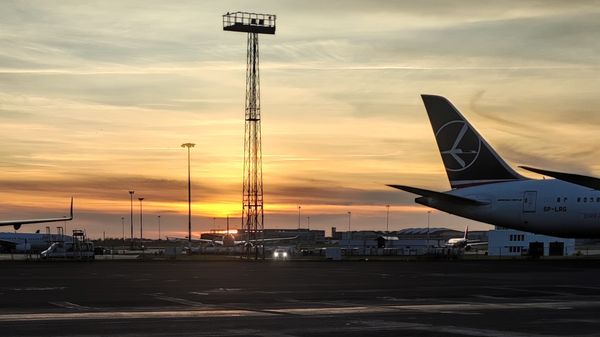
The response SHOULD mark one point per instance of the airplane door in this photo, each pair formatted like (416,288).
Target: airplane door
(529,199)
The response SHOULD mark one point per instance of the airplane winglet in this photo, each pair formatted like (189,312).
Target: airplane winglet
(71,213)
(577,179)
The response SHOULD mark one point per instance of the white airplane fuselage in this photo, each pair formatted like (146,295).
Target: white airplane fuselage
(457,242)
(25,242)
(548,206)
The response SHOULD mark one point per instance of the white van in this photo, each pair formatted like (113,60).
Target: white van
(69,250)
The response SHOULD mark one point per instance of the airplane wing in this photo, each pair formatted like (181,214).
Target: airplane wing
(441,196)
(172,238)
(477,243)
(576,179)
(270,239)
(17,223)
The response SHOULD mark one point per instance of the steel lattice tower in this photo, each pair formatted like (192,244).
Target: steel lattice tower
(252,204)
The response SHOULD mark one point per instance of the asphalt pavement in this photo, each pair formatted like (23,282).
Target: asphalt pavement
(301,298)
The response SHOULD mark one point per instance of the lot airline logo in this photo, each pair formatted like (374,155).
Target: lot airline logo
(461,143)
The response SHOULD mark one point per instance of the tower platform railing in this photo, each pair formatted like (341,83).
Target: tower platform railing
(249,22)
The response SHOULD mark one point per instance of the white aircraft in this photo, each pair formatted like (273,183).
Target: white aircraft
(27,242)
(17,223)
(228,240)
(486,189)
(464,242)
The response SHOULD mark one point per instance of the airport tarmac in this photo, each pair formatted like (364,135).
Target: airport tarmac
(299,298)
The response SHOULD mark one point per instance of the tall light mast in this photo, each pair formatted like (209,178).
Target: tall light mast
(252,204)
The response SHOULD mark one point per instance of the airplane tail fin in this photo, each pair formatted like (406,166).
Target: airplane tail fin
(466,232)
(469,160)
(71,212)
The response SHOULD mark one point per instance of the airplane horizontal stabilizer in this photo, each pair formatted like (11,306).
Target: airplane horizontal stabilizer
(576,179)
(440,195)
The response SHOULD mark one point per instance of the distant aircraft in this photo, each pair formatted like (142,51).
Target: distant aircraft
(228,240)
(486,189)
(17,223)
(464,242)
(28,242)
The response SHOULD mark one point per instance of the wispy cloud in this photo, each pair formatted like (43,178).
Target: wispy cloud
(96,98)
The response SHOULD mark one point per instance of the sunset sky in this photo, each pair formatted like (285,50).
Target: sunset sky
(96,98)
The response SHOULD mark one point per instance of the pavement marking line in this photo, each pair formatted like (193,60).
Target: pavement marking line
(182,301)
(247,312)
(207,306)
(489,297)
(531,291)
(577,286)
(69,305)
(116,315)
(333,311)
(497,306)
(37,288)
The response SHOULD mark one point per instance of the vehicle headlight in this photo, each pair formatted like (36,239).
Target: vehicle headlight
(276,254)
(284,254)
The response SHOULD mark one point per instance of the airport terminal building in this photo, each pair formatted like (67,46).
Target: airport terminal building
(408,241)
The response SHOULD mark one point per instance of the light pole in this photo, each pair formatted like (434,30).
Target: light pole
(349,223)
(428,220)
(299,207)
(131,220)
(349,220)
(308,222)
(123,229)
(159,228)
(387,219)
(189,146)
(141,224)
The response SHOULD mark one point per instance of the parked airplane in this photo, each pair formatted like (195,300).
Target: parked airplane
(228,240)
(464,242)
(486,189)
(17,223)
(28,242)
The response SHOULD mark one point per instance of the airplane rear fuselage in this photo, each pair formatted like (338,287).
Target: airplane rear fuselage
(550,206)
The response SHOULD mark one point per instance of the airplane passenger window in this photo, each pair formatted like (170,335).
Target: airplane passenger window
(558,199)
(578,199)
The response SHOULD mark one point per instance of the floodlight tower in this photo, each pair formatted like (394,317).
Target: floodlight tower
(252,204)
